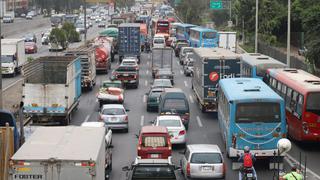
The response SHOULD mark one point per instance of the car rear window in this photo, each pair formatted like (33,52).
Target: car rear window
(113,111)
(153,172)
(154,141)
(178,104)
(202,158)
(170,123)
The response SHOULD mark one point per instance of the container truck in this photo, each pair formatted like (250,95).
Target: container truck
(71,152)
(129,40)
(13,56)
(211,65)
(228,40)
(51,89)
(88,65)
(161,58)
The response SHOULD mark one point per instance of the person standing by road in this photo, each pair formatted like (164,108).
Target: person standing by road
(293,175)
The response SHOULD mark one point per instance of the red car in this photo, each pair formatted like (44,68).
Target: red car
(30,47)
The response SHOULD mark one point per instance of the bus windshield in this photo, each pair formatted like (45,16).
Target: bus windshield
(209,35)
(313,102)
(266,112)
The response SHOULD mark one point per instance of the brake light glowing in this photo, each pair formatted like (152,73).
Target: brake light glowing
(183,132)
(188,169)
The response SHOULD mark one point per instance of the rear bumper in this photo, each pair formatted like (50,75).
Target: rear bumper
(179,140)
(117,125)
(260,154)
(206,175)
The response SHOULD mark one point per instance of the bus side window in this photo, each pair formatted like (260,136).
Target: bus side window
(288,98)
(279,88)
(294,101)
(299,106)
(274,84)
(284,91)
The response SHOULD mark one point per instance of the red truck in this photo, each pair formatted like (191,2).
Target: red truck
(128,75)
(154,142)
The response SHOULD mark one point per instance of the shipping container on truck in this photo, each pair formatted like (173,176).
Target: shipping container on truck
(103,47)
(129,40)
(88,65)
(13,56)
(52,153)
(228,40)
(211,65)
(51,89)
(161,58)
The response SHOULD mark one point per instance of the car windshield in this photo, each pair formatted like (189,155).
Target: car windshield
(129,63)
(153,172)
(169,123)
(6,59)
(113,111)
(267,112)
(156,93)
(209,35)
(313,102)
(162,82)
(178,104)
(110,84)
(154,141)
(29,44)
(202,158)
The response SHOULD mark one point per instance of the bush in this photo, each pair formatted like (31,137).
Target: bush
(58,36)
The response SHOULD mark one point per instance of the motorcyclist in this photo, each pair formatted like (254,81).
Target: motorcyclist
(247,160)
(293,175)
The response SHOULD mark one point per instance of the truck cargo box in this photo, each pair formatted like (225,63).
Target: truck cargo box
(129,40)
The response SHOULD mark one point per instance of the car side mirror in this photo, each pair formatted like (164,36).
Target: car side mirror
(127,110)
(137,136)
(126,168)
(110,146)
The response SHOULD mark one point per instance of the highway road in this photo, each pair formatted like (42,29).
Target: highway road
(203,127)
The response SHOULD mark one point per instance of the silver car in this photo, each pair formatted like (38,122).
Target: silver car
(203,161)
(114,116)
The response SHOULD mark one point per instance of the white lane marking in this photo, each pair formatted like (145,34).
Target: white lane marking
(191,99)
(289,159)
(142,120)
(144,98)
(199,121)
(146,83)
(185,84)
(178,62)
(12,84)
(181,72)
(147,72)
(87,118)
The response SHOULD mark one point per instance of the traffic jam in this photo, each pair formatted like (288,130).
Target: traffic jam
(258,102)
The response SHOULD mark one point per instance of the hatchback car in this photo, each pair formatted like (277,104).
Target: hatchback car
(114,116)
(176,129)
(161,83)
(203,161)
(30,38)
(153,98)
(165,74)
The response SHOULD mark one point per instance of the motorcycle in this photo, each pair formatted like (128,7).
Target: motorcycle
(248,174)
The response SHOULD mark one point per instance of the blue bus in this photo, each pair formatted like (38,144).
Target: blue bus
(255,65)
(250,114)
(183,31)
(203,37)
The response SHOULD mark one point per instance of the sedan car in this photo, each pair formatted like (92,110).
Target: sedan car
(165,74)
(175,127)
(30,47)
(30,38)
(161,83)
(114,116)
(153,99)
(203,161)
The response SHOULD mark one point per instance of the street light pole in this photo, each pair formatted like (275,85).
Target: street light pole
(85,21)
(256,33)
(289,33)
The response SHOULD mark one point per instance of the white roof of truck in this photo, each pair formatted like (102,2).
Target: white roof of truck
(10,41)
(63,143)
(215,53)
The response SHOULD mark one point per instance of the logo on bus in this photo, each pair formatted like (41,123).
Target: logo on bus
(214,76)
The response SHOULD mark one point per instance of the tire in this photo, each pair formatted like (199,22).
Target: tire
(126,130)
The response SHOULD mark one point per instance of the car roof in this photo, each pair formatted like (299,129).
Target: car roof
(169,117)
(194,148)
(154,129)
(93,124)
(106,106)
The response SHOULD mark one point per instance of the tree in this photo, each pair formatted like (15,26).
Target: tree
(58,36)
(71,34)
(190,11)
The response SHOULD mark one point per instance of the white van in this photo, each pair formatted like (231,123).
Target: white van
(159,41)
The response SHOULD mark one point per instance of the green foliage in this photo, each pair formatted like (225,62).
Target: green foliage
(30,59)
(190,11)
(58,36)
(71,33)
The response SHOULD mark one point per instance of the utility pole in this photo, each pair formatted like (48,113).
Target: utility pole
(1,105)
(256,36)
(85,21)
(289,33)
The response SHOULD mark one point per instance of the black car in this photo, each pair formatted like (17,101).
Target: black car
(151,169)
(30,38)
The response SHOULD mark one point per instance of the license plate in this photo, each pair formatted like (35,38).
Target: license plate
(249,175)
(125,74)
(113,119)
(154,155)
(125,81)
(207,168)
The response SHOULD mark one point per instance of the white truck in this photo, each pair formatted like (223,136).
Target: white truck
(51,89)
(228,40)
(53,153)
(13,56)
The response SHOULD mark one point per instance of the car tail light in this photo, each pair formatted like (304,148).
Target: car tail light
(234,141)
(135,76)
(183,132)
(120,98)
(224,168)
(126,119)
(188,169)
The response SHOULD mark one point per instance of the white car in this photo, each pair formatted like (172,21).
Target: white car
(45,38)
(130,62)
(203,161)
(159,42)
(114,116)
(175,127)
